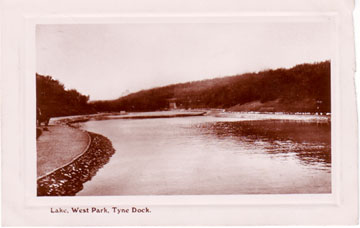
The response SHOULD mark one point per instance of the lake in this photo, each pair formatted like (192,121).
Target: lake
(214,155)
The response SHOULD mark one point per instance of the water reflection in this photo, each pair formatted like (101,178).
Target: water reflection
(213,155)
(309,141)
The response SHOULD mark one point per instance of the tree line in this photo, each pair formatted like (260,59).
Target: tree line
(53,100)
(303,88)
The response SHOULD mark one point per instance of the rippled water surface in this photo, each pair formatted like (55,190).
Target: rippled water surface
(213,155)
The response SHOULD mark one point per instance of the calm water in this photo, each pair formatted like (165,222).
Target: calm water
(212,155)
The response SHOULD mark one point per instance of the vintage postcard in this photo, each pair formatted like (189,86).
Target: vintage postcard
(142,118)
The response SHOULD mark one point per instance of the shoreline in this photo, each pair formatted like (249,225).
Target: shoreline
(131,115)
(68,179)
(192,113)
(42,174)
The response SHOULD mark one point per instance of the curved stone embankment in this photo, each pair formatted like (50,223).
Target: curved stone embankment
(68,180)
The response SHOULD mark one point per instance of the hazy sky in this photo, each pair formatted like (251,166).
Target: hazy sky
(104,61)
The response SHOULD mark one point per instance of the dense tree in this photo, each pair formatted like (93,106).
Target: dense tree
(303,88)
(53,100)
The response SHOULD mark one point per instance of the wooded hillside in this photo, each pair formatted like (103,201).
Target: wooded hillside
(303,88)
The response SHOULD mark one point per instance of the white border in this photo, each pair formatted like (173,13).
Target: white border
(269,199)
(280,209)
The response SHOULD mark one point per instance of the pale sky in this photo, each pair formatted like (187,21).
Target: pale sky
(104,61)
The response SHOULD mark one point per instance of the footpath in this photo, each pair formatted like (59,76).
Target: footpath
(58,146)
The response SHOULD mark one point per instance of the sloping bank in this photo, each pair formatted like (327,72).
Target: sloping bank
(69,179)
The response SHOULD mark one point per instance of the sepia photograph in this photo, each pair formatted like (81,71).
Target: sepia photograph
(183,108)
(178,113)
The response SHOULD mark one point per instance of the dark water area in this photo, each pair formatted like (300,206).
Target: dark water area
(210,155)
(310,141)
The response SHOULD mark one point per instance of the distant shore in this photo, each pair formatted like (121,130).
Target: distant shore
(189,113)
(129,115)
